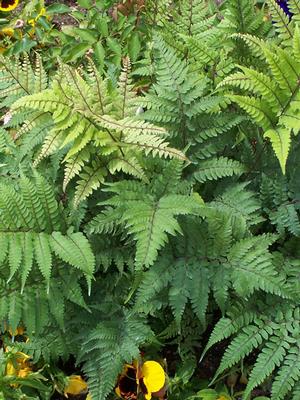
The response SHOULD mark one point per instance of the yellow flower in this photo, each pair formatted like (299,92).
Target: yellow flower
(76,385)
(8,5)
(154,377)
(42,13)
(148,378)
(22,367)
(20,330)
(7,32)
(23,372)
(127,381)
(31,22)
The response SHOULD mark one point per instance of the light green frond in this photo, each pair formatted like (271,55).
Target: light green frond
(90,179)
(124,103)
(280,139)
(128,164)
(294,7)
(255,44)
(281,21)
(256,108)
(154,145)
(74,165)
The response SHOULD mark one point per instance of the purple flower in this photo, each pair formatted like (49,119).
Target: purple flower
(284,6)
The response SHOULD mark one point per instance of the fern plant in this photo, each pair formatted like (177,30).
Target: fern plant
(34,234)
(274,105)
(181,102)
(147,212)
(277,338)
(136,210)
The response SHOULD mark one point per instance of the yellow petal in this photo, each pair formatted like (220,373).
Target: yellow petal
(8,32)
(118,391)
(24,372)
(22,365)
(153,377)
(9,7)
(89,397)
(10,369)
(22,357)
(42,12)
(76,385)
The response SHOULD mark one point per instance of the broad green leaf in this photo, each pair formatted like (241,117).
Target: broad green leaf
(58,8)
(134,46)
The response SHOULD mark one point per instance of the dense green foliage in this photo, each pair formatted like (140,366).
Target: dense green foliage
(150,196)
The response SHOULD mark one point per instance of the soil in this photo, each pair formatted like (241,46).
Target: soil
(63,19)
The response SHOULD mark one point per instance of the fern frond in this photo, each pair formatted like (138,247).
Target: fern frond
(112,344)
(242,345)
(43,255)
(275,104)
(259,273)
(226,327)
(28,220)
(281,141)
(241,16)
(125,101)
(270,331)
(216,168)
(294,7)
(257,109)
(90,179)
(281,21)
(85,113)
(270,357)
(74,165)
(150,223)
(288,375)
(74,249)
(241,204)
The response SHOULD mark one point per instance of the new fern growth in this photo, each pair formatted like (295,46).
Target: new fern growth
(89,122)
